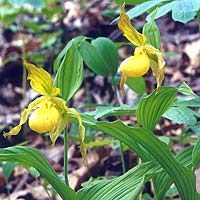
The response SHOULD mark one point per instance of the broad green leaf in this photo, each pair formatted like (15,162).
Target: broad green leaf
(144,7)
(162,10)
(93,59)
(188,103)
(125,187)
(186,90)
(153,106)
(105,111)
(70,73)
(152,32)
(29,157)
(108,51)
(194,129)
(137,84)
(185,10)
(140,139)
(196,154)
(62,54)
(162,181)
(181,115)
(8,168)
(100,56)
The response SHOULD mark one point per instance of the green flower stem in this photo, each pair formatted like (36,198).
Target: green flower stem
(122,158)
(8,190)
(121,148)
(66,156)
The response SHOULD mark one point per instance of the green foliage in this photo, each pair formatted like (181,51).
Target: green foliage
(141,141)
(158,163)
(106,111)
(137,84)
(70,72)
(125,187)
(162,181)
(8,168)
(153,106)
(181,115)
(100,56)
(186,90)
(196,154)
(152,32)
(29,157)
(182,11)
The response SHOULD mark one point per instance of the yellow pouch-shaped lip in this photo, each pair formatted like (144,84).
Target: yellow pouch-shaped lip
(135,66)
(45,118)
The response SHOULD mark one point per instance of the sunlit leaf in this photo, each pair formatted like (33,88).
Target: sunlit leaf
(8,168)
(196,154)
(125,187)
(152,32)
(29,157)
(181,115)
(136,84)
(162,181)
(136,138)
(186,90)
(70,73)
(109,52)
(153,106)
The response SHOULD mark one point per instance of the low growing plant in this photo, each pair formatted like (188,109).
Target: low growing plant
(51,114)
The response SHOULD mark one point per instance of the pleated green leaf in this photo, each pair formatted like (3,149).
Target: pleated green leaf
(153,106)
(70,72)
(61,55)
(143,142)
(29,157)
(125,187)
(196,154)
(185,89)
(152,32)
(181,115)
(105,111)
(162,181)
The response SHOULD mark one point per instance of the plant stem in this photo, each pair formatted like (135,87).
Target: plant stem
(122,158)
(66,156)
(8,190)
(121,149)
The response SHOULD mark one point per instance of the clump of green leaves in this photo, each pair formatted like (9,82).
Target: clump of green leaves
(158,164)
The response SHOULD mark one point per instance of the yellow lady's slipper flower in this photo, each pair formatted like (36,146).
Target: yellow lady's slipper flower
(48,113)
(135,66)
(145,56)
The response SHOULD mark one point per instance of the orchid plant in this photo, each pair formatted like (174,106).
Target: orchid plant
(49,113)
(145,55)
